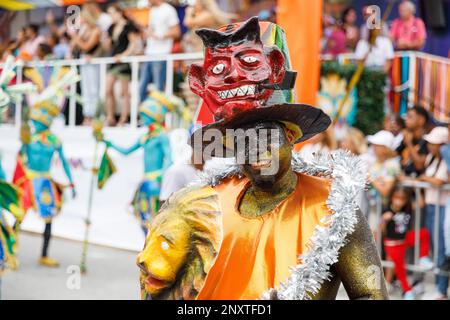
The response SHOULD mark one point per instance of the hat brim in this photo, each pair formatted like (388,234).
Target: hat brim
(309,119)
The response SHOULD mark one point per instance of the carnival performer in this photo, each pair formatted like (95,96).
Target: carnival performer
(9,195)
(157,155)
(9,201)
(32,174)
(271,226)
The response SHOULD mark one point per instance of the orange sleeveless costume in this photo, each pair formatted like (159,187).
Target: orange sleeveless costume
(256,253)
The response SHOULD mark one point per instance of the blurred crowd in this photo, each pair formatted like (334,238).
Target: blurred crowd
(373,38)
(111,32)
(407,151)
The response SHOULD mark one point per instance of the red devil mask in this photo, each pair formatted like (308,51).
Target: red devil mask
(237,71)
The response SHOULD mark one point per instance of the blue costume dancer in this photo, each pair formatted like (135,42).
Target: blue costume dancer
(9,195)
(33,171)
(157,157)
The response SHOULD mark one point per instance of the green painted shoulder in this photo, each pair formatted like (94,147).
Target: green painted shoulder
(54,140)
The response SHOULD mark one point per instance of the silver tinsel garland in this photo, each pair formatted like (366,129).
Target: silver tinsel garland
(348,178)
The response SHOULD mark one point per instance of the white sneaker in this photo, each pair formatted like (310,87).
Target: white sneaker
(419,288)
(426,263)
(435,296)
(409,295)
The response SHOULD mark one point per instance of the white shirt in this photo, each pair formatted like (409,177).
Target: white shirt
(161,19)
(381,52)
(175,178)
(441,173)
(104,21)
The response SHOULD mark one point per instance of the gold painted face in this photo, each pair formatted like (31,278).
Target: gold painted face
(164,254)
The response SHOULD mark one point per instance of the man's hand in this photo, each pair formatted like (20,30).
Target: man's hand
(387,216)
(117,58)
(408,138)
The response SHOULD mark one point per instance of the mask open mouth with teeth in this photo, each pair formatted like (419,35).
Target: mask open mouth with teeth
(242,91)
(244,64)
(234,71)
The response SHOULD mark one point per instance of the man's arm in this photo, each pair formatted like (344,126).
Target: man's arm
(359,265)
(66,168)
(165,145)
(124,151)
(417,156)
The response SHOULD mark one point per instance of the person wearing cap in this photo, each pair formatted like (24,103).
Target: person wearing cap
(272,226)
(157,155)
(436,174)
(385,169)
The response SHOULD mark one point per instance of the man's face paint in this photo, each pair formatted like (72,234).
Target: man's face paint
(230,79)
(268,158)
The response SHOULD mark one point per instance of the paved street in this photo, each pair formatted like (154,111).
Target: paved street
(112,274)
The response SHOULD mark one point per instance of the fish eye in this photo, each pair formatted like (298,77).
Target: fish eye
(250,59)
(164,245)
(218,69)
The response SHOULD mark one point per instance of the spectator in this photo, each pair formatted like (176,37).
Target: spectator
(413,149)
(351,30)
(203,14)
(335,42)
(436,174)
(43,52)
(122,42)
(103,19)
(60,45)
(378,49)
(164,28)
(445,153)
(395,225)
(408,32)
(53,26)
(384,170)
(355,142)
(87,43)
(368,15)
(395,124)
(16,46)
(322,142)
(33,39)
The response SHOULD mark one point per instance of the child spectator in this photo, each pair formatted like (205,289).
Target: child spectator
(396,224)
(385,169)
(436,173)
